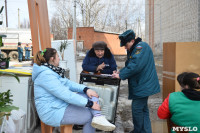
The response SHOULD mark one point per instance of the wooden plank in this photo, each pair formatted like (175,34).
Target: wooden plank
(39,22)
(178,57)
(66,128)
(46,128)
(169,74)
(187,58)
(33,25)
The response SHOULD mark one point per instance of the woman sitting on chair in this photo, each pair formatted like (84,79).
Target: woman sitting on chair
(55,98)
(183,108)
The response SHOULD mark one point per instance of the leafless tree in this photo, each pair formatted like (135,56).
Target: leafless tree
(57,28)
(62,19)
(25,24)
(104,15)
(90,10)
(121,15)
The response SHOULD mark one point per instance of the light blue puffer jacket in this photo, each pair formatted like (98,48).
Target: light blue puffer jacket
(53,94)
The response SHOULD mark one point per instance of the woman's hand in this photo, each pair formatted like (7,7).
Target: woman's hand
(96,106)
(91,93)
(100,67)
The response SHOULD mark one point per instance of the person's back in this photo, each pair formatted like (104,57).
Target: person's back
(20,52)
(183,108)
(185,112)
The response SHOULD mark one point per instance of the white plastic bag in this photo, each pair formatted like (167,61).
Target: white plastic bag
(3,126)
(19,118)
(8,126)
(15,123)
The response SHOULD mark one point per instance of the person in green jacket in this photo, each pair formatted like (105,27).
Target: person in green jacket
(183,108)
(142,79)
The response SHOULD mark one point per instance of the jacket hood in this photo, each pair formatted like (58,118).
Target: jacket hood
(37,70)
(192,94)
(107,53)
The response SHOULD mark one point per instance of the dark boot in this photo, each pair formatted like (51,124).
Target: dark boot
(78,127)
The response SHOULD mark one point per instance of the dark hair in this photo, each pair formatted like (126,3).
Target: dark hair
(180,78)
(44,57)
(192,80)
(19,43)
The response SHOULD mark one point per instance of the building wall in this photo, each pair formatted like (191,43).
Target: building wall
(85,34)
(147,21)
(88,35)
(112,40)
(174,21)
(199,20)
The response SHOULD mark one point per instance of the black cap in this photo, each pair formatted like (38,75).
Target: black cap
(19,43)
(127,36)
(99,45)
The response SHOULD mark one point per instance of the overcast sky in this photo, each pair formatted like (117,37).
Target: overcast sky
(14,5)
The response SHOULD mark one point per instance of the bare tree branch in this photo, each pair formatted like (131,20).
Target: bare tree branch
(115,17)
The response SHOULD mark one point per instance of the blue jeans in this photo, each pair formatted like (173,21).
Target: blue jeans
(20,55)
(140,114)
(81,115)
(27,55)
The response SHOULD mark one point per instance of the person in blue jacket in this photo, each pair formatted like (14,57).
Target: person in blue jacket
(56,100)
(99,59)
(27,52)
(20,52)
(142,79)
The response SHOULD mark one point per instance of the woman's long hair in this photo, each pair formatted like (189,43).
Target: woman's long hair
(44,56)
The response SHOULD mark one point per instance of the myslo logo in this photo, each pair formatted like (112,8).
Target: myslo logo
(184,129)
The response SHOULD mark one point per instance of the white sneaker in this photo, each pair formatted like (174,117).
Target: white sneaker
(100,122)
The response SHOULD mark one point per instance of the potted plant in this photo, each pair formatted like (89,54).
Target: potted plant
(5,99)
(4,62)
(1,16)
(63,46)
(6,104)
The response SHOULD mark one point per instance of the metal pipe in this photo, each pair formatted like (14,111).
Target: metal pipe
(18,19)
(6,13)
(74,22)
